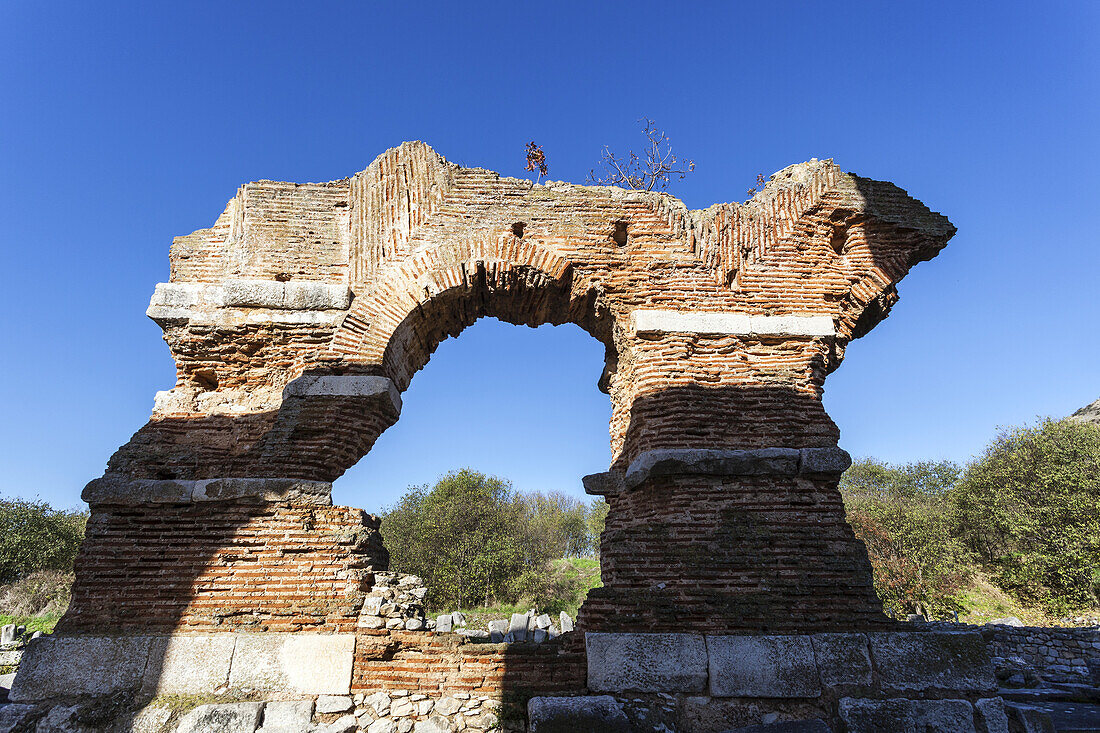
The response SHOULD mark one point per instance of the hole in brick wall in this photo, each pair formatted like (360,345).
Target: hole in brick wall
(283,277)
(206,378)
(839,239)
(619,235)
(517,229)
(512,402)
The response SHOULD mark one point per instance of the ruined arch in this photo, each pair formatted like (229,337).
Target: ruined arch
(300,316)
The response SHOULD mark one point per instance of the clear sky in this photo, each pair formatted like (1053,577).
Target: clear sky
(125,124)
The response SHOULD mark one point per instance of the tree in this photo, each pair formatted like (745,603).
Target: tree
(902,515)
(646,171)
(474,540)
(555,525)
(1029,507)
(459,536)
(34,536)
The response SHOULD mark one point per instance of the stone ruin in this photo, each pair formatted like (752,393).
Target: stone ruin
(735,592)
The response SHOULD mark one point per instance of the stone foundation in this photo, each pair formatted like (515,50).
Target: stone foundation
(691,683)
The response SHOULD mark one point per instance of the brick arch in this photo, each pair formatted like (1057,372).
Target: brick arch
(389,328)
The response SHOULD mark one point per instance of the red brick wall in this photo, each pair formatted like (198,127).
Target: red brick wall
(731,555)
(436,664)
(224,566)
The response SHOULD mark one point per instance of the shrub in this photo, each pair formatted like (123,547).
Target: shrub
(34,536)
(902,515)
(1029,507)
(41,593)
(476,541)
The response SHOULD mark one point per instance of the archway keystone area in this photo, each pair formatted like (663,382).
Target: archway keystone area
(215,559)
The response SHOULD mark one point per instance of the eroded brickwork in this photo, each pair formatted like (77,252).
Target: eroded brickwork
(225,566)
(298,319)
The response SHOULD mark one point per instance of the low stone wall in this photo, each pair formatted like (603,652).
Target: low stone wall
(390,680)
(937,681)
(1050,654)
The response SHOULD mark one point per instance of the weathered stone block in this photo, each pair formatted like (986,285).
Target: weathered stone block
(842,659)
(59,666)
(238,717)
(434,724)
(815,461)
(382,725)
(344,386)
(1029,719)
(907,716)
(327,704)
(287,716)
(762,666)
(608,483)
(712,462)
(186,664)
(128,491)
(517,627)
(646,662)
(573,714)
(263,489)
(932,660)
(991,715)
(309,664)
(254,294)
(150,719)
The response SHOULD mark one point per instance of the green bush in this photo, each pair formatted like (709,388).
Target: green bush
(902,514)
(1029,508)
(34,536)
(476,541)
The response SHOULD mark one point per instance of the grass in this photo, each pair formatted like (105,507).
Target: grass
(44,623)
(568,581)
(984,602)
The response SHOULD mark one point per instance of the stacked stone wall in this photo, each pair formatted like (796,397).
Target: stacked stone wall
(1057,654)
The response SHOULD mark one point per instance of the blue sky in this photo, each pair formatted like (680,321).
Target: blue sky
(125,124)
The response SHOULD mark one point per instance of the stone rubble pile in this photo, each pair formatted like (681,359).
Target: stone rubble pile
(397,602)
(13,640)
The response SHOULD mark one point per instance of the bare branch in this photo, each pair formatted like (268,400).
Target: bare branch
(653,173)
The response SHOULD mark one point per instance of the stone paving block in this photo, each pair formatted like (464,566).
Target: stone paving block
(646,662)
(762,666)
(238,717)
(842,659)
(58,666)
(906,716)
(932,660)
(308,664)
(573,714)
(185,664)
